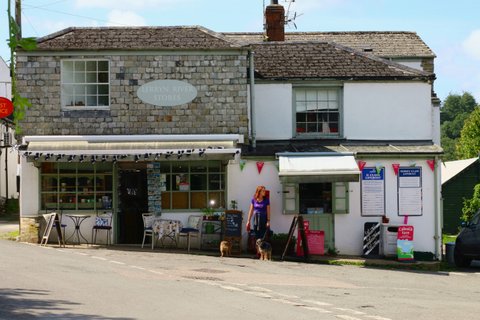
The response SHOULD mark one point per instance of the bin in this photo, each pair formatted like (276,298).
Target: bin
(449,252)
(389,240)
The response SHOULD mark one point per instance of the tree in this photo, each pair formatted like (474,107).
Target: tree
(454,112)
(470,206)
(468,145)
(20,104)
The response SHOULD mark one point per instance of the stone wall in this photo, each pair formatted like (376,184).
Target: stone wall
(219,108)
(30,229)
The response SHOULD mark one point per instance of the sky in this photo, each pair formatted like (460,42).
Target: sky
(450,28)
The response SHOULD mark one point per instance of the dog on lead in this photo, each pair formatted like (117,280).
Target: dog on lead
(264,248)
(225,248)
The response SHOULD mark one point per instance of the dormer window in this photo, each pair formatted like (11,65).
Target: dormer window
(85,84)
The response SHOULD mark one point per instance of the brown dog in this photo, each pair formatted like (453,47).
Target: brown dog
(264,249)
(225,248)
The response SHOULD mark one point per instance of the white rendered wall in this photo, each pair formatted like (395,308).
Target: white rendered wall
(387,111)
(273,111)
(349,227)
(371,110)
(29,189)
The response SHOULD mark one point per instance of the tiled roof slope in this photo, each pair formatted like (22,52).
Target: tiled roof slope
(322,60)
(135,38)
(387,44)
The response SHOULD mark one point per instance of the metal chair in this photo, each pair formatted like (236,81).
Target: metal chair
(102,222)
(192,230)
(148,219)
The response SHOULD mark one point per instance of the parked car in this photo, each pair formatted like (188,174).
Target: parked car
(467,245)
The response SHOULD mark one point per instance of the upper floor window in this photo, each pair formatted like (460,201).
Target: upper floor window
(317,111)
(85,84)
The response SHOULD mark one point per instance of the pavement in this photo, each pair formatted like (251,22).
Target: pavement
(380,262)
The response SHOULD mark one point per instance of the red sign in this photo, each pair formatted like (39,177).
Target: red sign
(405,233)
(6,107)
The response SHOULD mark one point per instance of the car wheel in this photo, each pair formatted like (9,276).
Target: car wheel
(460,259)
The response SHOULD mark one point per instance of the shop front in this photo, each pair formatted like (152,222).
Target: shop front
(127,175)
(316,186)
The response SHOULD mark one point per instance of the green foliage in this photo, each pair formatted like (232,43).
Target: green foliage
(470,206)
(20,104)
(455,110)
(468,145)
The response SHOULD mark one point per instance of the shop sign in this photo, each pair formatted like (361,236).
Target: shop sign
(167,93)
(405,243)
(6,107)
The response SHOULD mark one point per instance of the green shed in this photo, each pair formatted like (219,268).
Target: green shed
(459,177)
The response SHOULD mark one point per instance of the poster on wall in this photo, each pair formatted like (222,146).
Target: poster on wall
(409,191)
(373,191)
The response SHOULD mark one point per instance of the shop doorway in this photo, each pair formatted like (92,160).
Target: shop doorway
(133,201)
(315,200)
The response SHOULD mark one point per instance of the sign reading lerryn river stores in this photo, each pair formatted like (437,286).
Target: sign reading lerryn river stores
(167,93)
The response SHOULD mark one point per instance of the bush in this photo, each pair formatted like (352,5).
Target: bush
(12,207)
(471,206)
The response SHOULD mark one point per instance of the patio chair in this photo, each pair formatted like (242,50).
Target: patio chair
(148,219)
(192,230)
(102,222)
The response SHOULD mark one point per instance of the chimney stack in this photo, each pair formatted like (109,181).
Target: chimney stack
(275,21)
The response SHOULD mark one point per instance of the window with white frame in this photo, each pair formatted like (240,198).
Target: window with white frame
(317,111)
(85,84)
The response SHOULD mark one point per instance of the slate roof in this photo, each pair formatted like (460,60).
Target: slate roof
(387,44)
(322,60)
(359,147)
(135,38)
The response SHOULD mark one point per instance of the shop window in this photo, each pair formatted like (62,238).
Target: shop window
(317,111)
(79,186)
(315,198)
(193,185)
(85,84)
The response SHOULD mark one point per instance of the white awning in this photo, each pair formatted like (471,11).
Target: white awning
(300,167)
(144,147)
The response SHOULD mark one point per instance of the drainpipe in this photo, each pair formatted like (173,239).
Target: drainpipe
(437,236)
(253,131)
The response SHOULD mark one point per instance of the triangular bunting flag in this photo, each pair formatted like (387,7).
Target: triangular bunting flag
(242,164)
(378,167)
(395,167)
(260,166)
(361,164)
(431,164)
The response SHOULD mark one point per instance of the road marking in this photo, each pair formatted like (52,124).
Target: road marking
(325,304)
(99,258)
(155,271)
(117,262)
(321,310)
(81,253)
(230,288)
(458,274)
(351,311)
(137,267)
(345,317)
(287,302)
(378,318)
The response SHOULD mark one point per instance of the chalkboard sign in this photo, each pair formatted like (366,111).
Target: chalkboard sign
(233,223)
(371,239)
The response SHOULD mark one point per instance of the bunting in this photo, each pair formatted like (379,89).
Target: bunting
(260,166)
(431,164)
(395,167)
(242,164)
(361,164)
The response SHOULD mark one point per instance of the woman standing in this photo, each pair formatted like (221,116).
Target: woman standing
(260,211)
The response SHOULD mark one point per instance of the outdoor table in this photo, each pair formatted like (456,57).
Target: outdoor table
(166,228)
(77,220)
